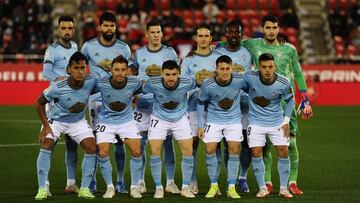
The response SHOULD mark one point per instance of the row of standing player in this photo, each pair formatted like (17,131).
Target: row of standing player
(153,52)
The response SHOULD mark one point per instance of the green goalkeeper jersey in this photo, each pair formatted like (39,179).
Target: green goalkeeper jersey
(285,55)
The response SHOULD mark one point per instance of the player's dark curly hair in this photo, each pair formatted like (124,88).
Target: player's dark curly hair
(152,23)
(76,57)
(170,64)
(119,59)
(107,16)
(201,26)
(266,57)
(223,59)
(270,18)
(65,18)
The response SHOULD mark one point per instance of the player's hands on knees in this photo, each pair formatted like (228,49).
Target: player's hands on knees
(44,132)
(200,133)
(286,128)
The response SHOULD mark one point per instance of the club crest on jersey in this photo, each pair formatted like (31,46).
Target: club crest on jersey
(153,70)
(96,54)
(77,108)
(144,60)
(237,68)
(279,55)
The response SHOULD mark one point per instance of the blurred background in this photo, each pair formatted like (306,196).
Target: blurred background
(326,34)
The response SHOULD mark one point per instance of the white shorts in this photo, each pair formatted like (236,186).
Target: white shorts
(245,121)
(95,105)
(193,117)
(215,132)
(256,136)
(142,118)
(159,129)
(76,131)
(107,132)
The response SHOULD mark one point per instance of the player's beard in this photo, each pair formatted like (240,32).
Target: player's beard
(270,39)
(107,36)
(66,38)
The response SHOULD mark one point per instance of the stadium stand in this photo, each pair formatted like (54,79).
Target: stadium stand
(179,18)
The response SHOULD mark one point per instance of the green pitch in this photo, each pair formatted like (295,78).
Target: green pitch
(329,165)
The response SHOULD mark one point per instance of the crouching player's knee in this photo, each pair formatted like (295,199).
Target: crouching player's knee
(89,145)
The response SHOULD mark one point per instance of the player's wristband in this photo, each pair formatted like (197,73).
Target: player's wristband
(304,97)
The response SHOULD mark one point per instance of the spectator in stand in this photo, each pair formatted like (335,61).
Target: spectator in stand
(210,10)
(338,21)
(355,13)
(355,37)
(289,18)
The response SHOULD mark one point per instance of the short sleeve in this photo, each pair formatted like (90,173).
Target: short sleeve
(50,92)
(49,56)
(85,51)
(147,87)
(135,62)
(202,93)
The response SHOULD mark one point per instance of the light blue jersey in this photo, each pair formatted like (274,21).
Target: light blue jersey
(69,104)
(223,100)
(96,52)
(241,62)
(241,58)
(116,108)
(194,64)
(56,60)
(169,105)
(265,99)
(145,60)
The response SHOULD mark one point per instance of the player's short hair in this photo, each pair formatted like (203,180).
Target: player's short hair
(233,23)
(270,18)
(223,59)
(266,57)
(119,59)
(65,18)
(76,57)
(203,26)
(107,16)
(152,23)
(170,64)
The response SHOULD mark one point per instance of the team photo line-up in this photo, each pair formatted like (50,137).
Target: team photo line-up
(239,92)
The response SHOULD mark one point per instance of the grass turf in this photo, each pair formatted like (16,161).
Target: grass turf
(329,162)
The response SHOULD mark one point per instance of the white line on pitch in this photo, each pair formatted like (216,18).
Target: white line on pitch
(24,145)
